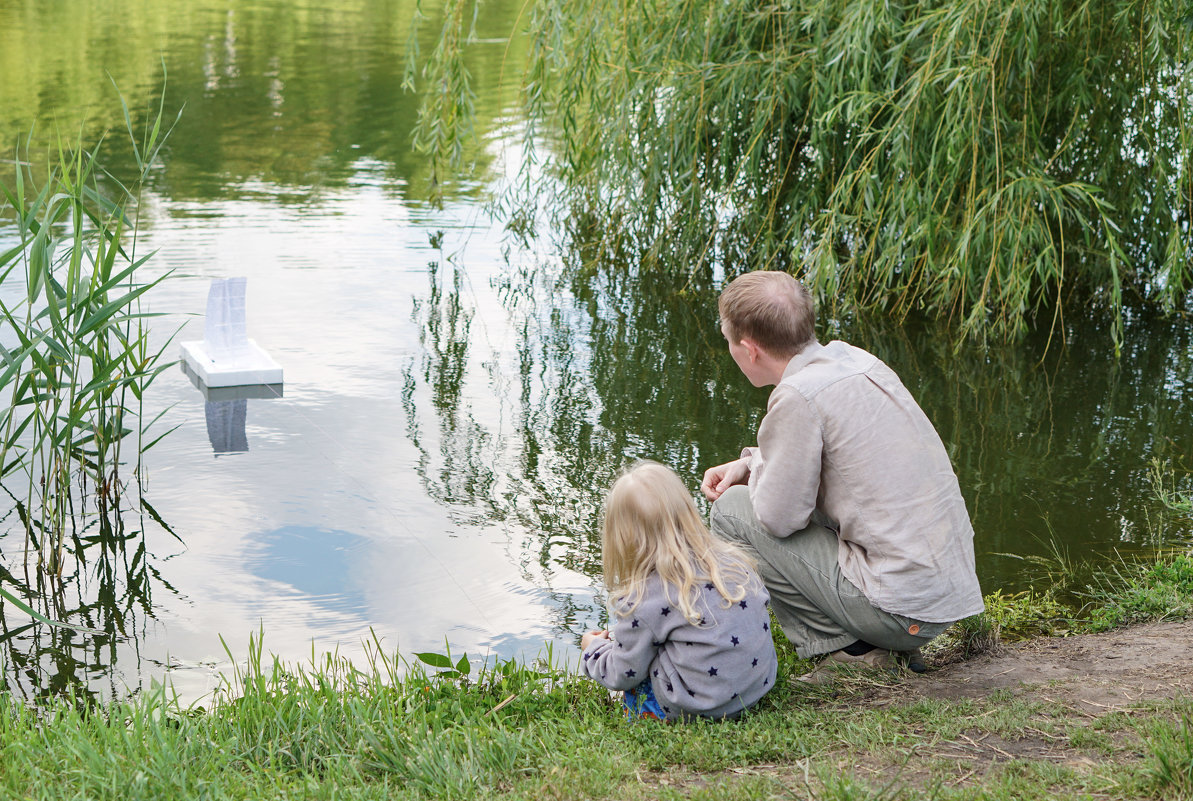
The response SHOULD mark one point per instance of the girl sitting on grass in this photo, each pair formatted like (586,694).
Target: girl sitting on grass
(690,628)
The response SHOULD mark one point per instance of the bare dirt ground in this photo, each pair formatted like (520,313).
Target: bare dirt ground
(1085,679)
(1092,672)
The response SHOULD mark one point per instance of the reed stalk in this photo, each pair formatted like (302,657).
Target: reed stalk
(74,340)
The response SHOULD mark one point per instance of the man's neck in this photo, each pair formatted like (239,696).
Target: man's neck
(771,368)
(797,362)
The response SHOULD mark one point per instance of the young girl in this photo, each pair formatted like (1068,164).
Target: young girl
(690,629)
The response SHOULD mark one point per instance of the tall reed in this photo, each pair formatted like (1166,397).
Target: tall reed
(74,340)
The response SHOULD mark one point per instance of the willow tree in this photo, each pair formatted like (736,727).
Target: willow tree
(987,162)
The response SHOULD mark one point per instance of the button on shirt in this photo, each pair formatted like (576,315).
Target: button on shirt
(844,437)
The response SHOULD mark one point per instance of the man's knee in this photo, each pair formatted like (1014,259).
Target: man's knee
(732,514)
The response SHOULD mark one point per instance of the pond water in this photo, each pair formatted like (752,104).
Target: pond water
(454,403)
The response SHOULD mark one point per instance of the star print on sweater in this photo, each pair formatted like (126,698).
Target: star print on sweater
(714,670)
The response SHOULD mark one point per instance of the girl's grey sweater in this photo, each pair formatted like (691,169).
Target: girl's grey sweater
(716,668)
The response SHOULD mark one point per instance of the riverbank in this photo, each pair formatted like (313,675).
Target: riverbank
(1093,715)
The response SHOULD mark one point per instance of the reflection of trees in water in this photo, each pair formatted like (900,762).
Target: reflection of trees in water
(531,464)
(109,591)
(616,372)
(463,480)
(1050,439)
(292,96)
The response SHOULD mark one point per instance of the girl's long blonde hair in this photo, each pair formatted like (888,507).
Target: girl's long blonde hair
(652,525)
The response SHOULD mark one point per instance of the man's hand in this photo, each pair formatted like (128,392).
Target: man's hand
(587,639)
(723,476)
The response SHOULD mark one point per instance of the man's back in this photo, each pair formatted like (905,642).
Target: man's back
(843,435)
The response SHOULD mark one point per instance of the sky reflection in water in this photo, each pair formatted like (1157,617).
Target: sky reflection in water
(322,528)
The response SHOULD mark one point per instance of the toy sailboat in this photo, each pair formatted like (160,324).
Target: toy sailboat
(226,357)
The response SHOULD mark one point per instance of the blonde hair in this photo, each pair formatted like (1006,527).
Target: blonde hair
(652,525)
(771,308)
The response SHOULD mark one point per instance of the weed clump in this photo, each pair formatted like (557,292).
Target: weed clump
(1161,591)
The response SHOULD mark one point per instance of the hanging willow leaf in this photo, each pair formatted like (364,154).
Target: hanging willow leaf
(984,162)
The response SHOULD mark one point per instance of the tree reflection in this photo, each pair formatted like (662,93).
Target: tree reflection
(464,479)
(285,98)
(1052,438)
(619,371)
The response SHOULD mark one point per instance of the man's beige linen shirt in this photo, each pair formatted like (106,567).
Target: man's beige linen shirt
(842,435)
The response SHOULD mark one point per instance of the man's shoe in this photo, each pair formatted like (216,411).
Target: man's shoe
(913,660)
(826,671)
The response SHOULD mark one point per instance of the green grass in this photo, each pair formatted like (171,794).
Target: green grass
(1140,592)
(334,732)
(388,729)
(1164,484)
(1171,772)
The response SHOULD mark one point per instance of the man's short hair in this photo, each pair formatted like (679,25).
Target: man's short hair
(771,308)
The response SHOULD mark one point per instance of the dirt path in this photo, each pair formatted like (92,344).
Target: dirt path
(1092,672)
(1084,679)
(1087,679)
(1087,683)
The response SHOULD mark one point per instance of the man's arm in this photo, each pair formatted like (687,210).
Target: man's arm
(786,465)
(723,476)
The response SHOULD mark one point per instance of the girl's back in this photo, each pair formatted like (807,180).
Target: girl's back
(716,667)
(689,614)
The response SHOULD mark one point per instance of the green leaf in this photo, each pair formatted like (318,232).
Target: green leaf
(435,660)
(105,312)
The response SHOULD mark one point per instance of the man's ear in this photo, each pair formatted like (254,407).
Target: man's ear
(752,349)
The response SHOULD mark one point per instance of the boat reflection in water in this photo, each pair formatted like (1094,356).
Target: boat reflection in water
(226,410)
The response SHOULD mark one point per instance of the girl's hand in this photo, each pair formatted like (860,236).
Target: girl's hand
(589,637)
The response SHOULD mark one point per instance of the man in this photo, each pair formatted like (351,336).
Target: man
(848,502)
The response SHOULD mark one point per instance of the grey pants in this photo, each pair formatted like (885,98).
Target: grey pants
(819,609)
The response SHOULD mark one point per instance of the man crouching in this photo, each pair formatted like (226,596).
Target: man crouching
(848,502)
